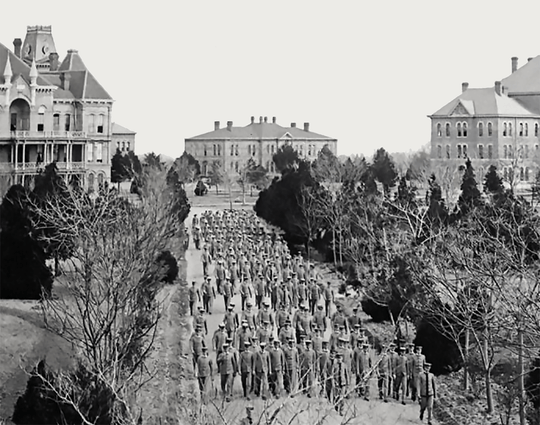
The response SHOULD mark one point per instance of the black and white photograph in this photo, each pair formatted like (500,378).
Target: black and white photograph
(241,212)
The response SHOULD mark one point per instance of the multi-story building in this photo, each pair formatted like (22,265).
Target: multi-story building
(497,125)
(232,147)
(122,139)
(52,111)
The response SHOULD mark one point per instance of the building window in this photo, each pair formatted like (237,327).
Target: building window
(505,173)
(99,152)
(448,151)
(254,150)
(505,129)
(464,129)
(480,129)
(527,171)
(232,165)
(56,122)
(219,150)
(90,152)
(490,151)
(267,148)
(464,151)
(481,151)
(439,130)
(268,165)
(309,150)
(447,130)
(67,123)
(459,152)
(510,152)
(232,151)
(520,129)
(521,174)
(204,150)
(123,146)
(526,151)
(458,126)
(490,129)
(41,119)
(91,123)
(272,149)
(526,129)
(535,129)
(249,149)
(236,150)
(439,151)
(100,124)
(536,147)
(90,183)
(236,166)
(509,129)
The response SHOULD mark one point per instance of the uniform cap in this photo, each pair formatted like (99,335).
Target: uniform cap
(266,322)
(319,306)
(247,343)
(221,325)
(357,326)
(365,345)
(205,349)
(262,344)
(225,345)
(229,339)
(427,364)
(308,341)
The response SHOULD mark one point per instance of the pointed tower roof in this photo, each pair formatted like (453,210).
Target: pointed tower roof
(18,67)
(33,70)
(72,62)
(8,72)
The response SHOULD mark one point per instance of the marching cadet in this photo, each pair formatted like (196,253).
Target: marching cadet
(196,343)
(260,289)
(347,361)
(354,319)
(303,322)
(314,293)
(428,391)
(246,369)
(417,366)
(197,237)
(322,366)
(363,364)
(410,362)
(200,320)
(219,272)
(204,373)
(231,321)
(291,364)
(227,369)
(245,292)
(339,319)
(208,294)
(393,358)
(282,316)
(328,298)
(319,318)
(302,292)
(307,368)
(286,333)
(384,372)
(400,371)
(329,379)
(206,260)
(249,316)
(265,315)
(277,361)
(219,339)
(194,296)
(242,336)
(261,363)
(264,332)
(316,341)
(227,291)
(339,383)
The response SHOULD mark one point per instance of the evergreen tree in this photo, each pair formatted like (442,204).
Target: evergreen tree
(470,197)
(406,195)
(187,167)
(493,183)
(384,170)
(286,158)
(121,169)
(437,211)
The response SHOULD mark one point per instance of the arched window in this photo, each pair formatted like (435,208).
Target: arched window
(505,151)
(527,174)
(505,129)
(205,152)
(56,122)
(100,178)
(521,129)
(448,151)
(447,129)
(41,118)
(526,129)
(480,129)
(439,130)
(439,151)
(101,124)
(521,174)
(219,150)
(91,123)
(458,126)
(67,122)
(509,129)
(232,152)
(490,129)
(535,129)
(464,129)
(90,183)
(481,151)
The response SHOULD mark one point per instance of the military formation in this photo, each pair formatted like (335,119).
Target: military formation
(288,336)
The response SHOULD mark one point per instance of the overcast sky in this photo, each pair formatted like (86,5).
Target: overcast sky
(365,72)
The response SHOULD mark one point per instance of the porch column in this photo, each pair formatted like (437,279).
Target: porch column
(23,153)
(16,155)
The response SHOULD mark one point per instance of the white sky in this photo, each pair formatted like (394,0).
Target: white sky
(365,72)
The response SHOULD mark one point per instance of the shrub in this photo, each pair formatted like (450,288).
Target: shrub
(377,312)
(171,266)
(440,351)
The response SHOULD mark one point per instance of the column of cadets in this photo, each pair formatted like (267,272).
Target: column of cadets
(277,345)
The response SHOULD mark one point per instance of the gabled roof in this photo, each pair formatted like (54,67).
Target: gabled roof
(263,130)
(525,79)
(18,67)
(484,101)
(118,129)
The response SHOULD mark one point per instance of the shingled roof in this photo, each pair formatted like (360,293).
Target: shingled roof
(264,130)
(484,101)
(118,129)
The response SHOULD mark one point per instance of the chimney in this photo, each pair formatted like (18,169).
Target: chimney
(306,126)
(252,120)
(514,64)
(216,125)
(464,87)
(265,119)
(53,61)
(17,43)
(260,120)
(293,125)
(64,78)
(273,120)
(229,125)
(498,87)
(529,59)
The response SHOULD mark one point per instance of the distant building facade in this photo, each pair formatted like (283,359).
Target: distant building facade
(52,111)
(122,139)
(497,125)
(232,147)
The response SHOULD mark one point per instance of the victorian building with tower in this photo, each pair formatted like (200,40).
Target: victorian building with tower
(496,125)
(53,110)
(232,146)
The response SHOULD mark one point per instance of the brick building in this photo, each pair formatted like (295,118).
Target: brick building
(51,110)
(233,146)
(497,125)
